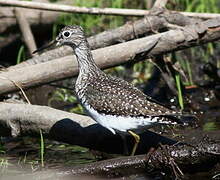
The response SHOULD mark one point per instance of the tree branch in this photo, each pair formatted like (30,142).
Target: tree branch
(139,49)
(201,157)
(29,119)
(160,3)
(38,19)
(26,30)
(24,119)
(124,33)
(74,9)
(93,10)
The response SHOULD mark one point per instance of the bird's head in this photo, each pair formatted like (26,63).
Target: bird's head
(70,35)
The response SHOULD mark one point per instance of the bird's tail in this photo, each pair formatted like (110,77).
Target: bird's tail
(183,119)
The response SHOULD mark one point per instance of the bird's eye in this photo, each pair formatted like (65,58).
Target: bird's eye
(66,34)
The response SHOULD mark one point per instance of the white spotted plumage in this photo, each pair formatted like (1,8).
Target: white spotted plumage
(120,123)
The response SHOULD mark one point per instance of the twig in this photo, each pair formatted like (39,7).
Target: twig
(149,4)
(160,3)
(17,85)
(93,10)
(139,49)
(26,30)
(170,160)
(75,9)
(201,15)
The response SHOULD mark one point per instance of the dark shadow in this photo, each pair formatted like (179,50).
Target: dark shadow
(97,137)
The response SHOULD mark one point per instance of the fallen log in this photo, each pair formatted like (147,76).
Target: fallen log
(154,22)
(179,161)
(38,19)
(25,119)
(139,49)
(173,161)
(93,10)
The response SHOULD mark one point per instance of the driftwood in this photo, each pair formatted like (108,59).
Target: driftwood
(37,18)
(24,119)
(177,159)
(155,21)
(26,30)
(92,10)
(74,9)
(139,49)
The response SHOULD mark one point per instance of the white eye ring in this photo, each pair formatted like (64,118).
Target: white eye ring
(66,34)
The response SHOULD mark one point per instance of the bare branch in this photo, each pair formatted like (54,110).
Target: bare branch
(92,10)
(28,119)
(139,49)
(201,15)
(26,30)
(25,119)
(74,9)
(124,33)
(67,66)
(201,157)
(39,19)
(160,3)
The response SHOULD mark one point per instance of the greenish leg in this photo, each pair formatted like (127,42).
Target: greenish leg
(137,140)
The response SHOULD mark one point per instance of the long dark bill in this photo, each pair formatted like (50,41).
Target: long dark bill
(45,46)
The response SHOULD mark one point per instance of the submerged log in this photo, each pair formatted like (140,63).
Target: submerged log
(176,160)
(179,161)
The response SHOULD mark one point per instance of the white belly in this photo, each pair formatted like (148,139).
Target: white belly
(120,123)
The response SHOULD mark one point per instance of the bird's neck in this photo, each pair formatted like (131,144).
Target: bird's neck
(85,59)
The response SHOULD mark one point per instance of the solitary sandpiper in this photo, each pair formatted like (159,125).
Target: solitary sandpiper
(112,102)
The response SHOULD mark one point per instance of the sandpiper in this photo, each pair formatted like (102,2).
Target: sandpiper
(110,101)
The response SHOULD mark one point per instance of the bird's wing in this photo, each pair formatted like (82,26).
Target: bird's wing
(117,97)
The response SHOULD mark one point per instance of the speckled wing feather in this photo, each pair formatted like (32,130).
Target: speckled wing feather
(113,96)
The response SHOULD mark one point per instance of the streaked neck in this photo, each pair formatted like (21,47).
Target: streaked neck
(84,57)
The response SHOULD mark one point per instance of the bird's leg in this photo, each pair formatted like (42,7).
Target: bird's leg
(137,140)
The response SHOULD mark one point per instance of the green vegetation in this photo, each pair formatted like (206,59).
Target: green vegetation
(211,126)
(180,96)
(2,149)
(41,148)
(21,54)
(202,6)
(91,23)
(64,95)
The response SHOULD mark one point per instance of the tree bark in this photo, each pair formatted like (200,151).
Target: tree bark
(37,18)
(25,119)
(26,30)
(139,49)
(179,161)
(175,161)
(92,10)
(154,22)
